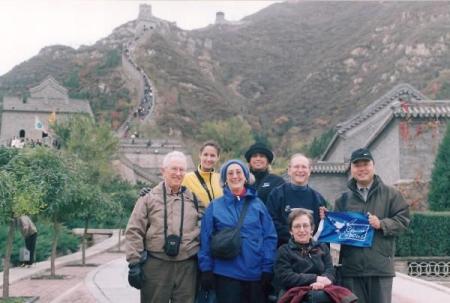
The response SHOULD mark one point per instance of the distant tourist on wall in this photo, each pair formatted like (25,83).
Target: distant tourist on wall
(293,195)
(162,238)
(369,271)
(259,158)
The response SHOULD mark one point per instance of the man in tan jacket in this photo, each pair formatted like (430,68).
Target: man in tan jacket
(162,238)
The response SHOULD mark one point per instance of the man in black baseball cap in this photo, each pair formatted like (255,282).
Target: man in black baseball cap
(361,154)
(259,157)
(368,272)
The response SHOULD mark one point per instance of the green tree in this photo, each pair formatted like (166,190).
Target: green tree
(45,170)
(7,216)
(112,59)
(262,137)
(319,144)
(94,144)
(90,204)
(124,195)
(73,80)
(90,149)
(444,92)
(438,197)
(18,196)
(234,135)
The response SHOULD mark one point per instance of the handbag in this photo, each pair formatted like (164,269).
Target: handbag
(226,243)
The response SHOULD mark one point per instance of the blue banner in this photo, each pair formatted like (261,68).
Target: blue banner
(349,228)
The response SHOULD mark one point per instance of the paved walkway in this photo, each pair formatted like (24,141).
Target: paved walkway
(108,283)
(19,273)
(412,290)
(70,289)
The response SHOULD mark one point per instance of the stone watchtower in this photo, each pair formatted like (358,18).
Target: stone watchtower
(145,21)
(220,18)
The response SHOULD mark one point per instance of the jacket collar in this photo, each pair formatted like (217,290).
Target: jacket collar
(169,190)
(296,246)
(376,182)
(250,192)
(204,173)
(259,175)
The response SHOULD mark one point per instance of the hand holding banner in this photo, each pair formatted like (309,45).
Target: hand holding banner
(349,228)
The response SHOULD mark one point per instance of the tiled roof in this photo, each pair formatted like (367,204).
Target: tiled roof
(426,109)
(329,167)
(392,96)
(49,81)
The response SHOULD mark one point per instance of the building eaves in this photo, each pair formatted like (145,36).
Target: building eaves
(36,105)
(329,167)
(427,109)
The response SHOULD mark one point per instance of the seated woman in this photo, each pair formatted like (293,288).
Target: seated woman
(304,267)
(246,276)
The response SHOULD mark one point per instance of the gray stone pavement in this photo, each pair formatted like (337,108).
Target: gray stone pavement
(413,290)
(108,283)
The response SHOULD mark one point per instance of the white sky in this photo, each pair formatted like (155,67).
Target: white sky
(26,26)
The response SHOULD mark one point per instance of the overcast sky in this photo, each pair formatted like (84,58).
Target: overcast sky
(26,26)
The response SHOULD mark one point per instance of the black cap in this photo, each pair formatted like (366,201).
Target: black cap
(259,148)
(361,154)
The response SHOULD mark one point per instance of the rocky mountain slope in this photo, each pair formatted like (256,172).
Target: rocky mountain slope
(294,69)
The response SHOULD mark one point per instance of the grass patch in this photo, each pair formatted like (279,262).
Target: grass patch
(50,277)
(12,300)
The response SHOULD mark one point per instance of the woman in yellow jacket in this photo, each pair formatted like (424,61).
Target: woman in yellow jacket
(204,182)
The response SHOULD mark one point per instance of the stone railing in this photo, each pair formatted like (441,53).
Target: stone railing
(438,267)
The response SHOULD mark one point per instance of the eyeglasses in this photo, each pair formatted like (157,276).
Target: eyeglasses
(300,226)
(176,169)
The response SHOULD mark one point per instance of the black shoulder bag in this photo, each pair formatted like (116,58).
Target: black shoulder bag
(226,243)
(203,183)
(172,242)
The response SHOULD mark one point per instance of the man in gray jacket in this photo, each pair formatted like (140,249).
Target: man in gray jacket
(369,271)
(162,238)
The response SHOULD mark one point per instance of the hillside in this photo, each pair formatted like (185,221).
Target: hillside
(293,70)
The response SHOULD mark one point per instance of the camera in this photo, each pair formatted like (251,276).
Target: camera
(172,245)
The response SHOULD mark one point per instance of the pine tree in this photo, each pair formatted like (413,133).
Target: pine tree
(439,195)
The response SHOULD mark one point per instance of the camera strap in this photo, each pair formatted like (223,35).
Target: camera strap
(165,212)
(205,187)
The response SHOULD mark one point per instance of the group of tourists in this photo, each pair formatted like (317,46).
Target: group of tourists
(146,102)
(243,234)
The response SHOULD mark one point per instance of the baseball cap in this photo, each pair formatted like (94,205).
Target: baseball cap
(361,154)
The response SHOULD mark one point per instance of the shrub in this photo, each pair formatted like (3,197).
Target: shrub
(316,148)
(427,235)
(438,198)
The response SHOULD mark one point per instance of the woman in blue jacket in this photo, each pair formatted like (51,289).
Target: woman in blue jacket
(246,277)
